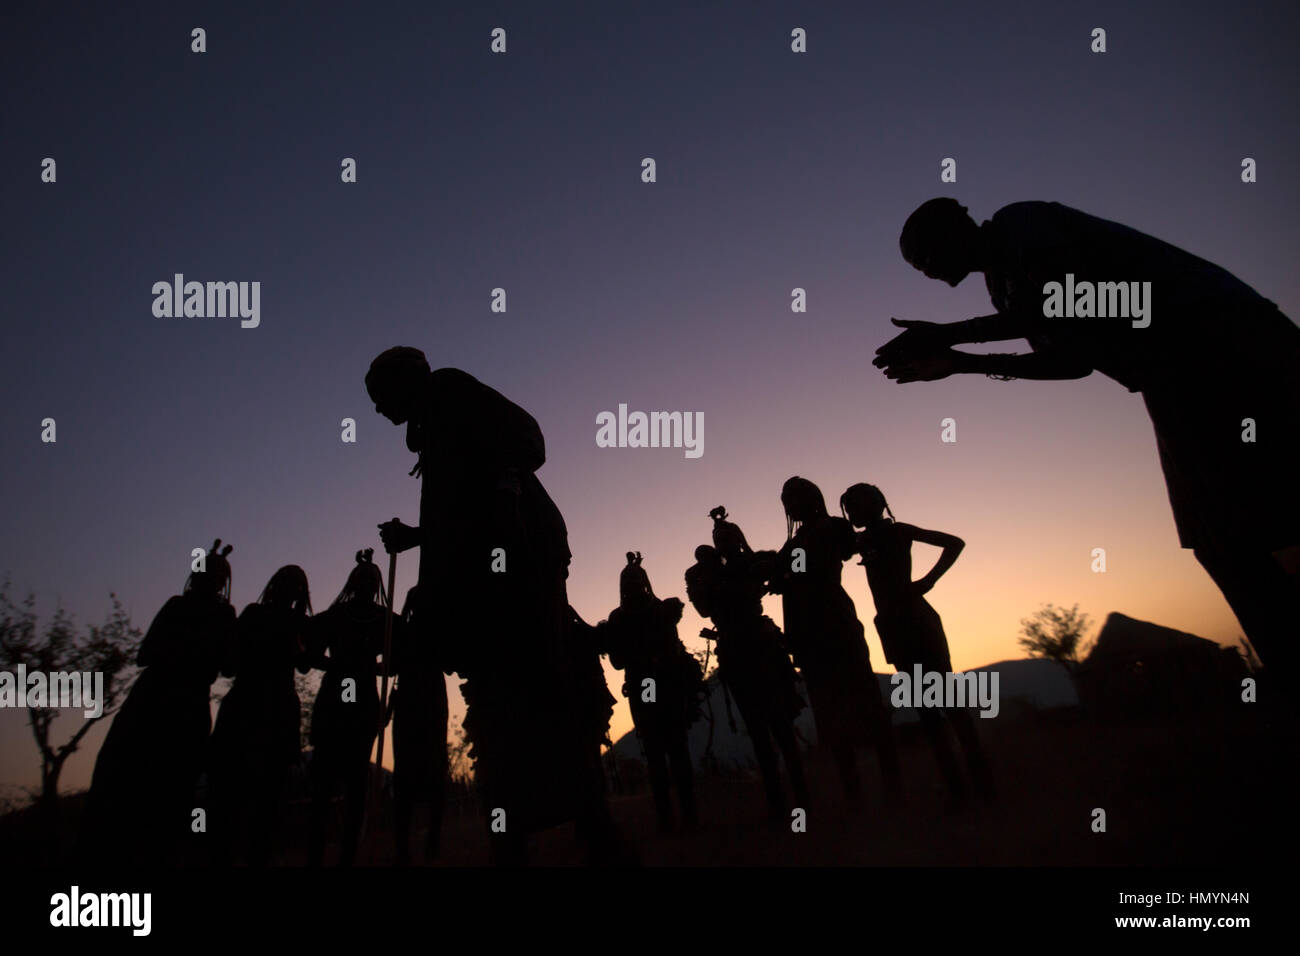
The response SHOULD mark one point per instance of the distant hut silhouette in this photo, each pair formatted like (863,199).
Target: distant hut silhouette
(1139,669)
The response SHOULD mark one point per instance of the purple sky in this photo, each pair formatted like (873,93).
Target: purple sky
(522,171)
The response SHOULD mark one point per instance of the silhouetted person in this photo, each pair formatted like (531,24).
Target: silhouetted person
(726,583)
(419,708)
(257,734)
(827,639)
(910,629)
(344,642)
(597,702)
(1215,354)
(142,793)
(662,685)
(494,558)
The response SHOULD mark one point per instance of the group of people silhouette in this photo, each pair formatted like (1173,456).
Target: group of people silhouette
(491,600)
(163,740)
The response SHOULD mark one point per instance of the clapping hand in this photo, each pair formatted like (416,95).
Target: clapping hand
(922,368)
(917,338)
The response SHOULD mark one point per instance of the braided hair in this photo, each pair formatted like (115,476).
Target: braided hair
(291,580)
(798,487)
(865,499)
(364,583)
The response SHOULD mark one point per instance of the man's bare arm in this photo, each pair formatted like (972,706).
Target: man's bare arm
(1042,366)
(920,337)
(939,364)
(998,327)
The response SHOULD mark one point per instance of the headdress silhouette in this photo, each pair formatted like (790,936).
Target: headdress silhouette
(727,536)
(216,571)
(365,582)
(634,583)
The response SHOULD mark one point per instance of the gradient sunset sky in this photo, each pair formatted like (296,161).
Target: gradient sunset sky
(522,171)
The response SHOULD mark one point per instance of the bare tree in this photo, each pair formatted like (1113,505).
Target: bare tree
(109,649)
(307,686)
(460,765)
(708,665)
(1056,634)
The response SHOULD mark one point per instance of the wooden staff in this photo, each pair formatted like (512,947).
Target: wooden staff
(388,650)
(377,791)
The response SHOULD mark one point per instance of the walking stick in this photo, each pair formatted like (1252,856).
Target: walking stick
(383,681)
(388,650)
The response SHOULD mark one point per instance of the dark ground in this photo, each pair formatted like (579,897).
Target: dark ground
(1199,790)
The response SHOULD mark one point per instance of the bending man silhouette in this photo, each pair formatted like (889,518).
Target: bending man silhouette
(494,557)
(1216,365)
